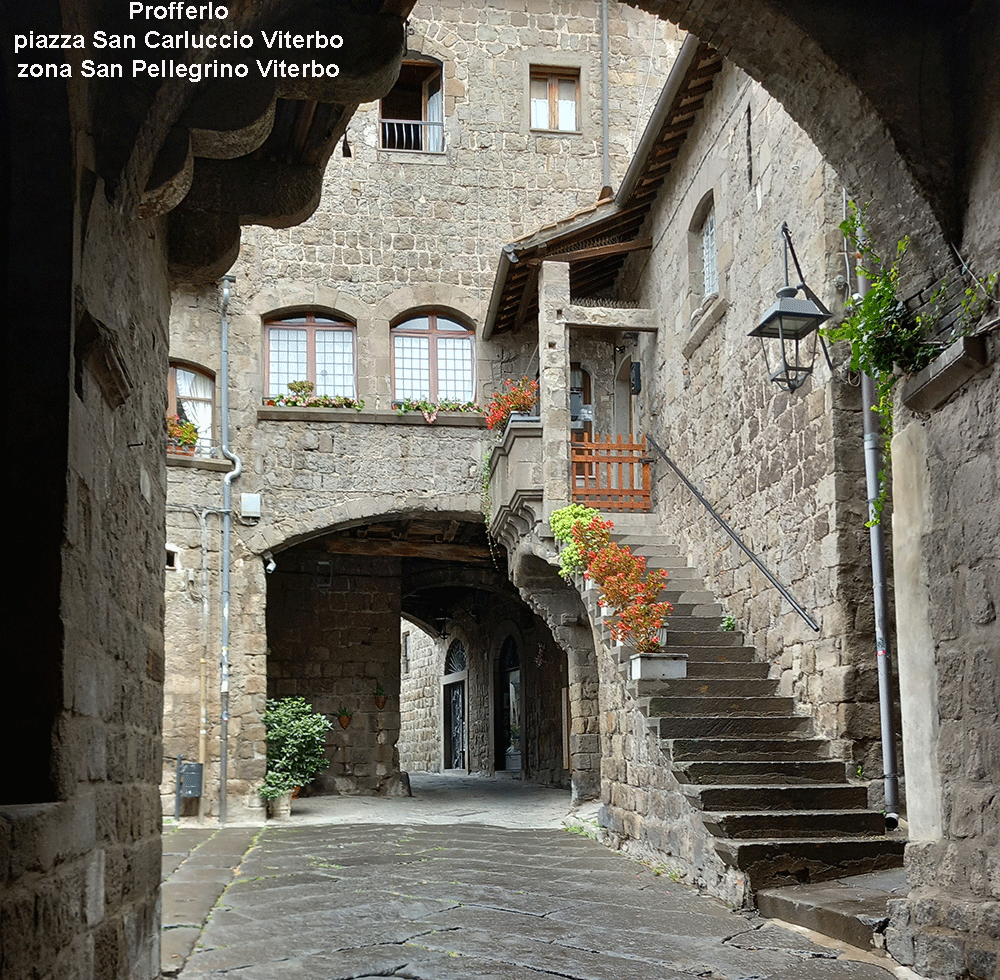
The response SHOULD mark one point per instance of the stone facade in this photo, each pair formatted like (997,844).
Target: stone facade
(395,232)
(786,470)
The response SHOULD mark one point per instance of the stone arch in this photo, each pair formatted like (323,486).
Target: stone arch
(897,139)
(560,607)
(438,296)
(294,528)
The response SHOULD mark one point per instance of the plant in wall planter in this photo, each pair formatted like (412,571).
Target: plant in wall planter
(518,396)
(296,739)
(181,435)
(344,717)
(301,396)
(430,410)
(380,697)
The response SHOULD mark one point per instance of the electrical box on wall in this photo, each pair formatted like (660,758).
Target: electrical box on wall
(250,504)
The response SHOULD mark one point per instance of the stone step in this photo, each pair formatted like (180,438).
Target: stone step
(818,796)
(706,705)
(684,597)
(852,910)
(704,638)
(700,609)
(731,726)
(717,654)
(762,771)
(710,687)
(646,546)
(725,669)
(802,824)
(777,862)
(709,623)
(714,655)
(707,749)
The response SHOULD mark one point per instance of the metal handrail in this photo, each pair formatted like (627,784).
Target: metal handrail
(725,526)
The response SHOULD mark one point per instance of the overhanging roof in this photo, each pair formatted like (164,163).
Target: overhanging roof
(596,240)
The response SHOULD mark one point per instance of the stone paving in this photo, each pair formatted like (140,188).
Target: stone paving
(464,889)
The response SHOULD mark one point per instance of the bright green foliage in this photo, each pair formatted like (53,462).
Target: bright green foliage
(562,522)
(728,624)
(296,737)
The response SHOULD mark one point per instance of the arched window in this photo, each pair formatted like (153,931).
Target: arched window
(310,347)
(703,250)
(191,397)
(455,661)
(433,360)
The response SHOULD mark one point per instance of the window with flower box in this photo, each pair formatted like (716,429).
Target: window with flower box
(310,347)
(433,359)
(191,399)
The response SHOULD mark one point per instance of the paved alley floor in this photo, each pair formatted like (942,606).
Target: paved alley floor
(483,894)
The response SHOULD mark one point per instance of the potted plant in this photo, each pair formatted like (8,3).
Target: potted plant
(181,435)
(344,717)
(519,396)
(296,740)
(380,696)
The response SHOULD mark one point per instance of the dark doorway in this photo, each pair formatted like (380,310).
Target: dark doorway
(507,704)
(455,678)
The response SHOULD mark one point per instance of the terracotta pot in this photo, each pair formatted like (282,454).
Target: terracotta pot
(344,720)
(295,792)
(380,700)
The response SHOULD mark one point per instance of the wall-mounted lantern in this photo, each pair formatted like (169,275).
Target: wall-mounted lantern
(791,321)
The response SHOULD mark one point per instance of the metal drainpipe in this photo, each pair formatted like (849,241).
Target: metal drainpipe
(227,526)
(880,597)
(606,152)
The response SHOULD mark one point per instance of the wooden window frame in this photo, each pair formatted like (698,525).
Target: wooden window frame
(552,77)
(399,329)
(329,323)
(172,391)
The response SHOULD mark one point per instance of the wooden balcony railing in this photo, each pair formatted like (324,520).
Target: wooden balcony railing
(610,475)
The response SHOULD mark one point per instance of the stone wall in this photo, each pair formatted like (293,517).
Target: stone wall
(80,822)
(333,633)
(422,664)
(946,487)
(785,470)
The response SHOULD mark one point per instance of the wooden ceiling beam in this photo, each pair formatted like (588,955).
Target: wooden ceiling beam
(468,553)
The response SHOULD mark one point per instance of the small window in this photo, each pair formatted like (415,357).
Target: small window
(433,360)
(555,99)
(191,399)
(310,347)
(411,116)
(709,255)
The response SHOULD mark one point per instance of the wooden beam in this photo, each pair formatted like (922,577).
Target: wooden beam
(528,295)
(472,554)
(602,251)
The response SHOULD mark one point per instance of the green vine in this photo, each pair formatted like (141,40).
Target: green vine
(885,336)
(882,334)
(562,522)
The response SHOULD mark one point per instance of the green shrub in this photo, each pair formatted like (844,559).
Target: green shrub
(296,737)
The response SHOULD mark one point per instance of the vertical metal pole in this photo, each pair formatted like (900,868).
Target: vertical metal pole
(605,110)
(177,792)
(227,525)
(880,597)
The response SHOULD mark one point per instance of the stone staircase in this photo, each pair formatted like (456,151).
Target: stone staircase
(775,803)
